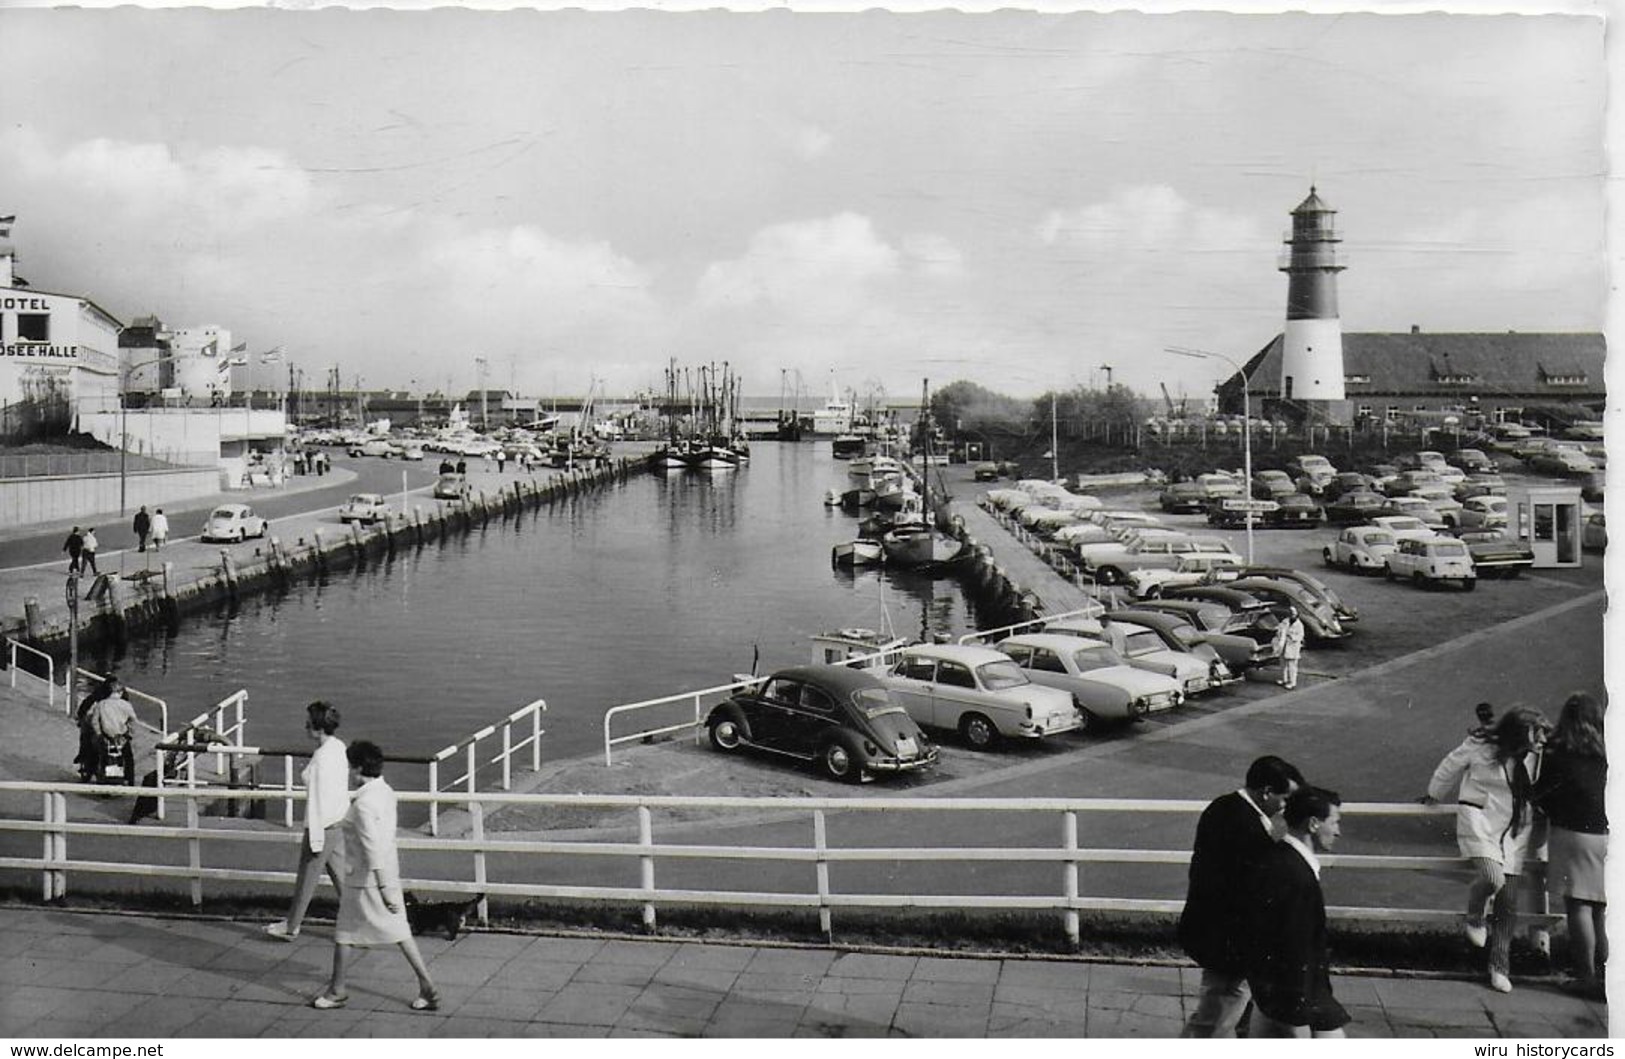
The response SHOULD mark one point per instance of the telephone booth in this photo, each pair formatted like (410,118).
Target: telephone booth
(1548,518)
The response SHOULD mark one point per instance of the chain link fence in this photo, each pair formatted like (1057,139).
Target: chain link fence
(54,464)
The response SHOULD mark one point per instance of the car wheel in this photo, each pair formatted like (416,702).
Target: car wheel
(1327,557)
(978,731)
(1154,592)
(1469,583)
(1387,572)
(1109,575)
(726,734)
(1090,722)
(840,762)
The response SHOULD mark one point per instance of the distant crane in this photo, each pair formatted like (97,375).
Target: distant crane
(1173,412)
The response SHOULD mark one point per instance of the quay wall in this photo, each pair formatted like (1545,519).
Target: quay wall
(116,609)
(24,501)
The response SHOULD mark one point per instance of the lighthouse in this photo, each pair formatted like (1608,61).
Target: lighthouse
(1312,344)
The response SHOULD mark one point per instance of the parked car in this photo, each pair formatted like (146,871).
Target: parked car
(1320,622)
(1591,486)
(1594,533)
(1272,485)
(844,719)
(372,447)
(1254,615)
(1177,634)
(1142,648)
(1150,582)
(979,693)
(1112,566)
(1218,486)
(985,472)
(1354,508)
(1496,553)
(1254,621)
(411,450)
(1295,511)
(1232,511)
(232,522)
(1345,482)
(451,486)
(1318,469)
(1479,485)
(1473,461)
(1407,482)
(1403,527)
(364,507)
(1483,512)
(1104,686)
(1418,508)
(1361,549)
(1433,561)
(1183,496)
(1208,623)
(1345,613)
(1561,462)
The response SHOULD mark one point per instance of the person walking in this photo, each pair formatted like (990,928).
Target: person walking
(160,529)
(87,556)
(1570,791)
(1233,834)
(84,716)
(142,526)
(327,796)
(1491,781)
(372,907)
(502,460)
(1288,967)
(75,547)
(1289,645)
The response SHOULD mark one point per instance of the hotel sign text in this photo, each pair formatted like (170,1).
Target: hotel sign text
(39,351)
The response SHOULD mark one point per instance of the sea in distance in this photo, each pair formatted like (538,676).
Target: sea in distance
(665,583)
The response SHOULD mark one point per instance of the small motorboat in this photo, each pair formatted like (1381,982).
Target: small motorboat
(920,547)
(854,499)
(832,498)
(860,552)
(857,648)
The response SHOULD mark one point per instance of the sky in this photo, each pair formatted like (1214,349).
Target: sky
(860,200)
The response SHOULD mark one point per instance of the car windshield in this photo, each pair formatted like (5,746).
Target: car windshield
(1378,537)
(997,676)
(1405,524)
(223,512)
(874,702)
(1452,550)
(1187,634)
(1096,658)
(1140,643)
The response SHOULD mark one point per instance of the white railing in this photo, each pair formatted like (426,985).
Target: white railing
(461,863)
(690,724)
(229,722)
(50,669)
(136,698)
(468,750)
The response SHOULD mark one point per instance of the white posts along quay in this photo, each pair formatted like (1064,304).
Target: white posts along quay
(633,871)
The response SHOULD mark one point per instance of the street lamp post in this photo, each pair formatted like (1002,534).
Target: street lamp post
(1246,426)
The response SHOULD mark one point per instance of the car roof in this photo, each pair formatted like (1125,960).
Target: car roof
(235,509)
(1056,641)
(968,654)
(843,679)
(1157,618)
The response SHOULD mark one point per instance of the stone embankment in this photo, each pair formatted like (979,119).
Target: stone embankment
(159,596)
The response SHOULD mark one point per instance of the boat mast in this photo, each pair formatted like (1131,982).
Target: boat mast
(925,440)
(1054,450)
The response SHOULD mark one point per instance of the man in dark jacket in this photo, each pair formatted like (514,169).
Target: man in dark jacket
(1234,833)
(75,547)
(142,527)
(1288,967)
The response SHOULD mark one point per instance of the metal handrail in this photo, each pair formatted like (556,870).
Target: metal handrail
(665,700)
(50,670)
(469,748)
(1093,610)
(230,723)
(814,892)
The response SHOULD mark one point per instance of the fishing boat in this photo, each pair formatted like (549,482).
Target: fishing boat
(846,446)
(921,545)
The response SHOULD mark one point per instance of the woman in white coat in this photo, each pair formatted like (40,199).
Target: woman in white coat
(1489,777)
(372,908)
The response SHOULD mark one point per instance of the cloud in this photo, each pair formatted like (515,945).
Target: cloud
(1147,219)
(818,267)
(810,142)
(934,256)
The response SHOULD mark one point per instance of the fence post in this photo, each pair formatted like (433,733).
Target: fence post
(473,764)
(60,879)
(507,751)
(48,844)
(287,790)
(820,847)
(194,849)
(535,740)
(158,771)
(476,823)
(434,789)
(647,865)
(698,726)
(1069,875)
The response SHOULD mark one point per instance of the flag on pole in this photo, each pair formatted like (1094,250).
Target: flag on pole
(5,225)
(272,356)
(241,347)
(211,349)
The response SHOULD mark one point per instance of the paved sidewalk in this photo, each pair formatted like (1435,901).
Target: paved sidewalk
(75,974)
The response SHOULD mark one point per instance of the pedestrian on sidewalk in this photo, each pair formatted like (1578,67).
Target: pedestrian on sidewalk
(462,466)
(1571,792)
(1289,645)
(327,796)
(1490,780)
(142,526)
(86,758)
(1233,835)
(502,460)
(160,529)
(1288,967)
(75,547)
(372,907)
(87,556)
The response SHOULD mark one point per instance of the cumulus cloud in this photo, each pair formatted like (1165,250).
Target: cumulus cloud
(933,255)
(819,266)
(1147,219)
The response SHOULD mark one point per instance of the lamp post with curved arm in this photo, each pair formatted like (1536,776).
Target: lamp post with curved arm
(1246,425)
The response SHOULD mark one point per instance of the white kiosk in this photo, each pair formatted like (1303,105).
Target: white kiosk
(1548,518)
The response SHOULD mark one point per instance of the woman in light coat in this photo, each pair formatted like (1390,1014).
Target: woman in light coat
(1489,777)
(327,796)
(372,907)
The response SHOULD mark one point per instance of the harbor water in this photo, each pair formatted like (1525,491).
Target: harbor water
(659,585)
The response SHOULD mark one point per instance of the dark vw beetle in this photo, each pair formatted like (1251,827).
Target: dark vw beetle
(844,719)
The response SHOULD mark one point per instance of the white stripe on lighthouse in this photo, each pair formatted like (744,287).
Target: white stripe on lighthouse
(1312,358)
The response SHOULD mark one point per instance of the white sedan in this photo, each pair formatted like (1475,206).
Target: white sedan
(978,692)
(1361,548)
(232,522)
(1106,688)
(364,507)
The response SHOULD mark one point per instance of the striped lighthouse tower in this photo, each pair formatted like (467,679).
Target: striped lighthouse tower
(1312,345)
